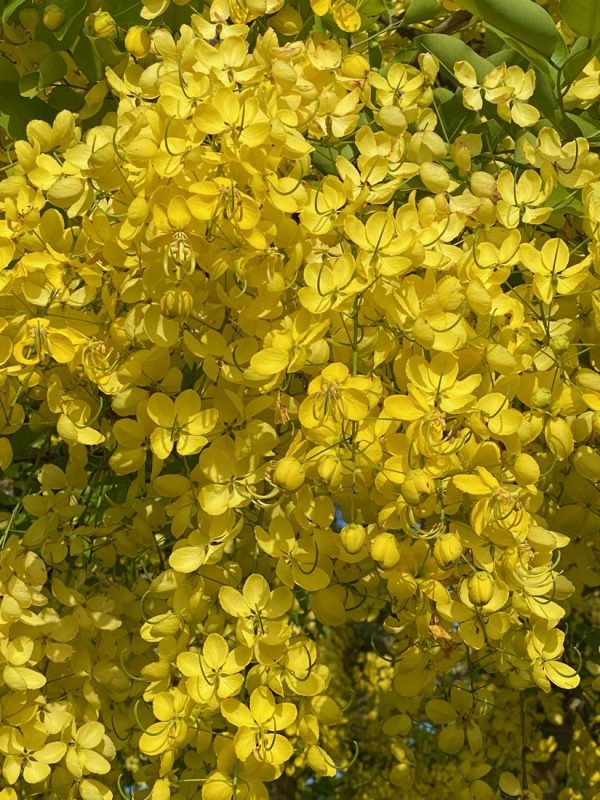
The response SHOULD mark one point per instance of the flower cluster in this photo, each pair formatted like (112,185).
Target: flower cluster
(294,357)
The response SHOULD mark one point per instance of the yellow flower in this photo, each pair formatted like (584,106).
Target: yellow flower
(180,423)
(551,270)
(259,726)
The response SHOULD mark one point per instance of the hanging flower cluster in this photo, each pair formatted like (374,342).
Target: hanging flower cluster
(296,361)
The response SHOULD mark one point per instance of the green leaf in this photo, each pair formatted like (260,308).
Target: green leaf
(449,50)
(581,54)
(534,56)
(10,8)
(125,14)
(582,16)
(519,146)
(583,126)
(51,69)
(107,51)
(522,20)
(64,97)
(566,200)
(422,10)
(16,111)
(510,57)
(452,114)
(88,59)
(323,157)
(8,71)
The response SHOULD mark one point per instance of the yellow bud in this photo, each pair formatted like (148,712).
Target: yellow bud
(559,438)
(423,333)
(586,461)
(560,344)
(353,538)
(481,588)
(289,474)
(104,25)
(330,470)
(484,185)
(541,398)
(447,549)
(176,303)
(588,379)
(526,469)
(416,487)
(355,66)
(137,41)
(392,120)
(434,176)
(287,22)
(53,17)
(384,549)
(29,18)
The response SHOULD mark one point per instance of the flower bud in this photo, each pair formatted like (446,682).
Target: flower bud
(29,18)
(385,550)
(541,398)
(484,185)
(587,463)
(176,303)
(355,66)
(526,469)
(353,538)
(422,332)
(392,120)
(480,588)
(416,487)
(330,470)
(104,25)
(289,474)
(434,177)
(53,17)
(559,438)
(287,22)
(137,41)
(447,549)
(560,344)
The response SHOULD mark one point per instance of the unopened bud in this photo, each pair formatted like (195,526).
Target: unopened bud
(287,22)
(137,41)
(176,303)
(526,469)
(385,550)
(416,487)
(560,344)
(53,17)
(353,538)
(447,549)
(289,474)
(481,588)
(29,18)
(559,438)
(541,398)
(484,185)
(104,25)
(586,461)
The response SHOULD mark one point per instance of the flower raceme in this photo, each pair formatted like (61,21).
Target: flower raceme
(309,376)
